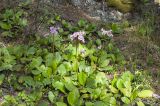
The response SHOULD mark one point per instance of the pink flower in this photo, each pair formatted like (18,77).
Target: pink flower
(78,36)
(108,33)
(53,30)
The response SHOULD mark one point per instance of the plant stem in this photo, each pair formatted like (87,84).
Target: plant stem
(53,45)
(76,55)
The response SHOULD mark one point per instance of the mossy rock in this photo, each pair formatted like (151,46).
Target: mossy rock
(122,5)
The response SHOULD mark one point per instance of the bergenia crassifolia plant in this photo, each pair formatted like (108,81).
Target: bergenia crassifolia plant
(53,31)
(77,37)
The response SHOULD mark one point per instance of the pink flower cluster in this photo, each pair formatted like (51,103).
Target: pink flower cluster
(53,30)
(78,36)
(108,33)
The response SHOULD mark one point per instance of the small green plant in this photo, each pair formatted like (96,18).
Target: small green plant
(12,22)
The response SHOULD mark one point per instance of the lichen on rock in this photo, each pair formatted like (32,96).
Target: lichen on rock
(122,5)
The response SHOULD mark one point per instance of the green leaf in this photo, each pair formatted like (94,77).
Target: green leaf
(104,63)
(140,103)
(59,85)
(81,23)
(98,42)
(119,83)
(35,72)
(47,72)
(62,70)
(7,33)
(2,76)
(23,22)
(49,58)
(99,103)
(113,89)
(69,84)
(5,26)
(125,100)
(145,93)
(51,96)
(28,80)
(36,62)
(126,91)
(60,104)
(113,101)
(96,93)
(31,51)
(107,68)
(58,57)
(91,82)
(127,76)
(67,66)
(101,78)
(82,77)
(127,83)
(89,104)
(73,97)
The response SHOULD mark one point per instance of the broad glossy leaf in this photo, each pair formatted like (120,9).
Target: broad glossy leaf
(73,97)
(60,104)
(91,82)
(145,93)
(36,62)
(125,100)
(113,89)
(126,92)
(62,70)
(36,72)
(99,103)
(127,83)
(47,72)
(119,84)
(96,93)
(67,66)
(140,103)
(58,57)
(49,58)
(75,66)
(5,26)
(104,63)
(31,51)
(82,77)
(107,68)
(59,85)
(101,78)
(69,84)
(89,104)
(23,22)
(28,81)
(127,76)
(113,101)
(51,96)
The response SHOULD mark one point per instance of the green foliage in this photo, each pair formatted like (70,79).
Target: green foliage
(74,74)
(12,22)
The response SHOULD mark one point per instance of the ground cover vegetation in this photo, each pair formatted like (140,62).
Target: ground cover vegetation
(71,65)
